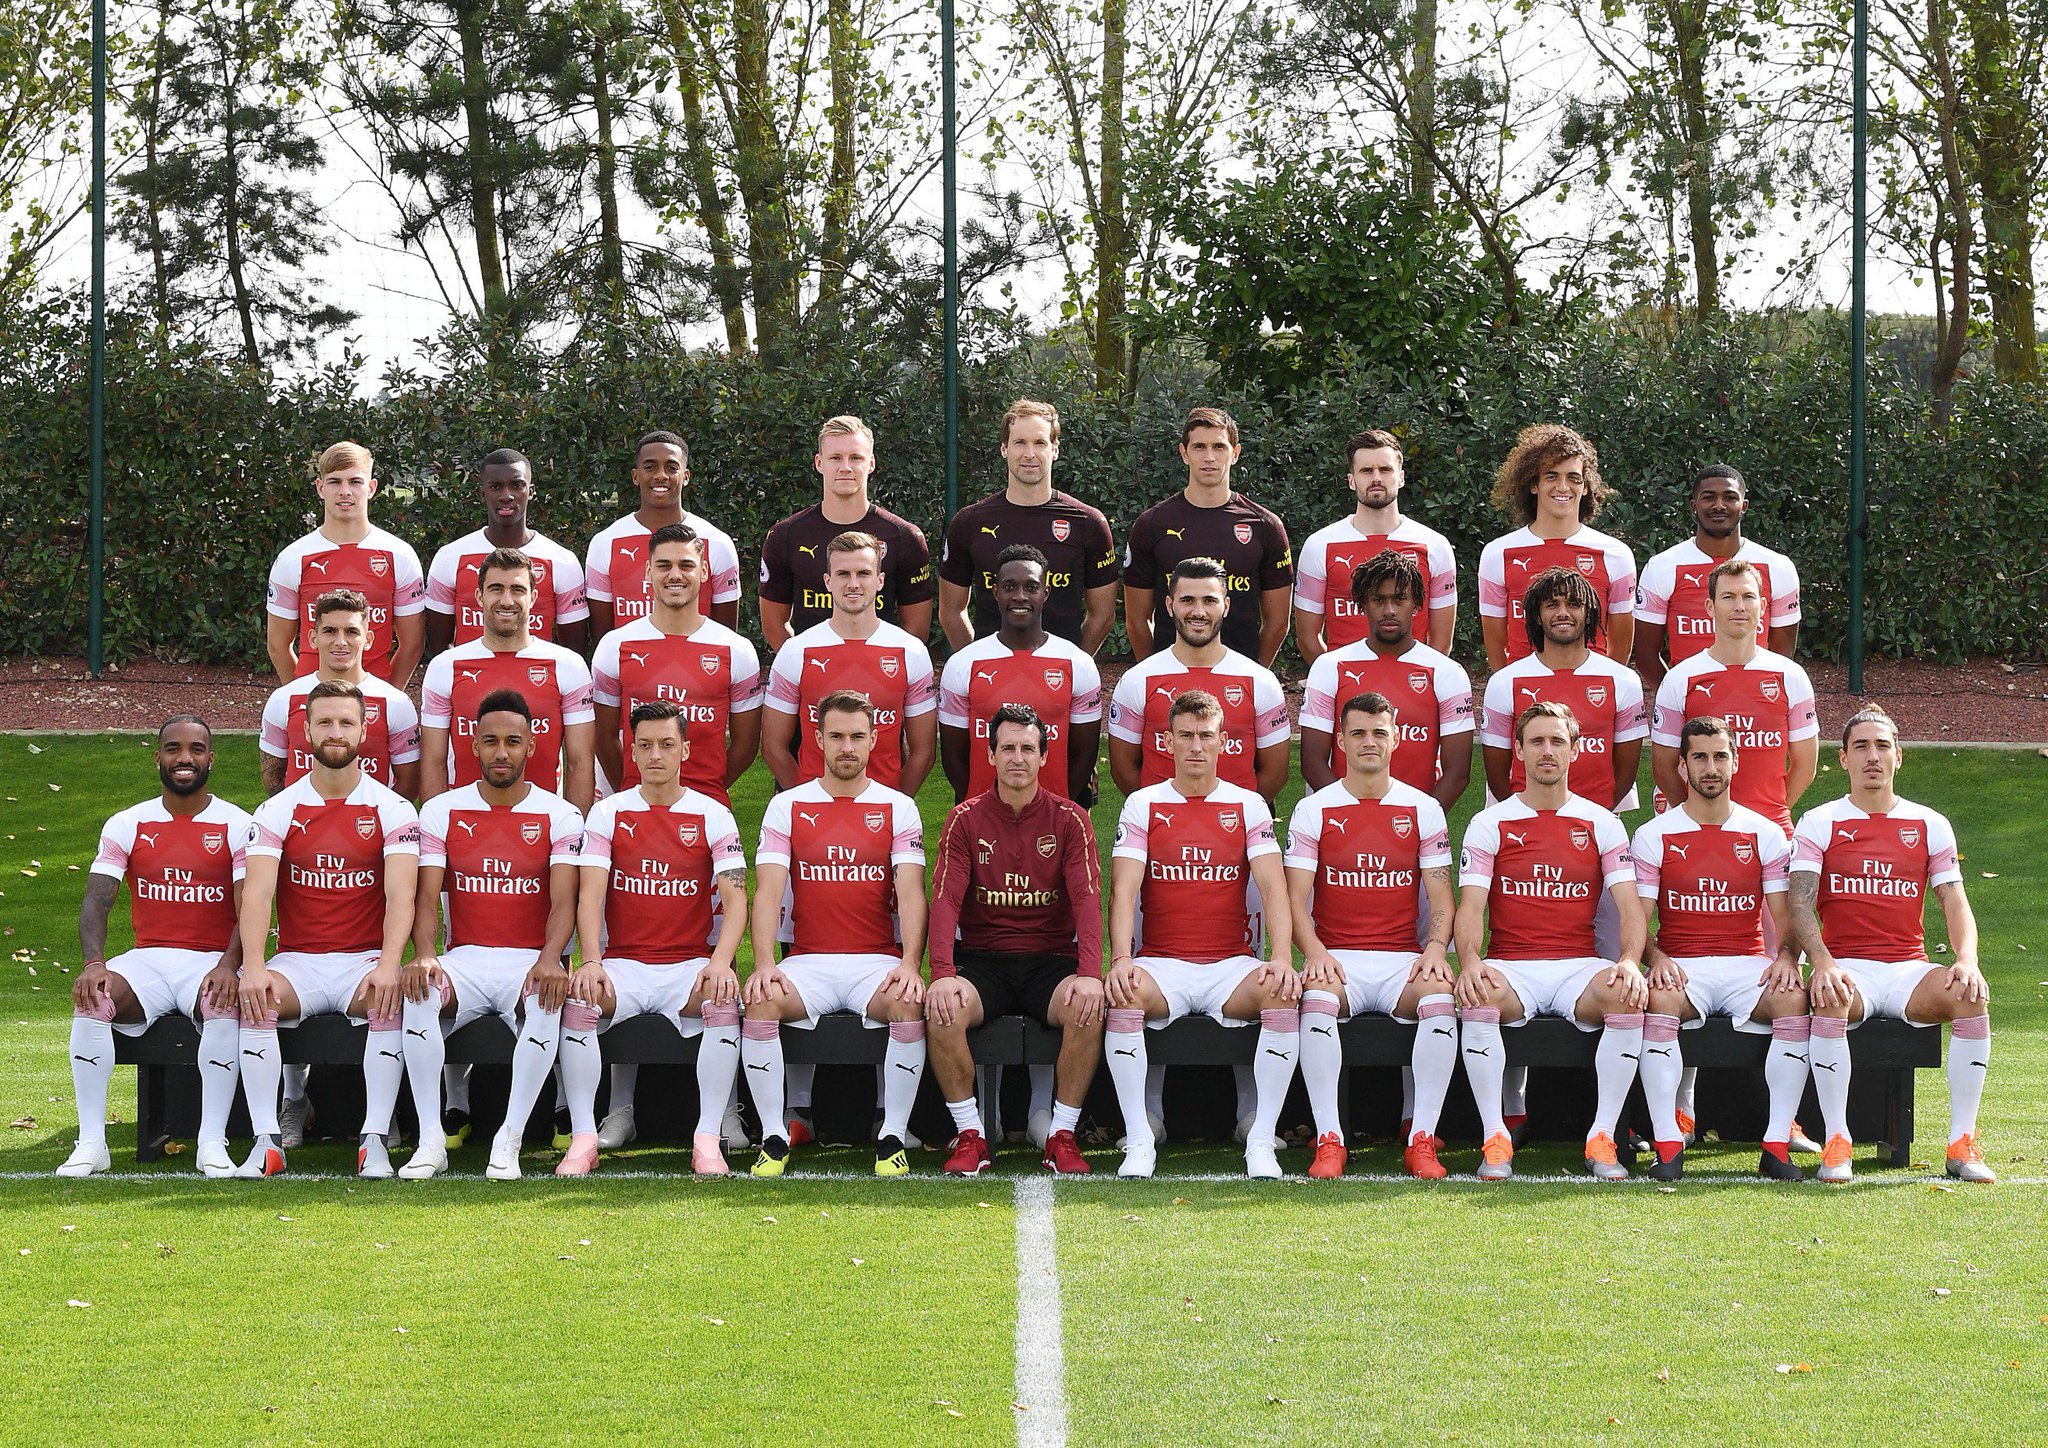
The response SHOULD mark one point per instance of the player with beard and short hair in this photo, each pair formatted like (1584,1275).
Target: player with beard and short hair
(1534,870)
(1208,519)
(1188,852)
(1550,484)
(1361,852)
(839,878)
(391,727)
(1674,613)
(338,855)
(796,596)
(181,854)
(1328,613)
(554,682)
(664,887)
(561,613)
(1081,568)
(1862,868)
(346,551)
(1432,695)
(1714,870)
(505,851)
(615,567)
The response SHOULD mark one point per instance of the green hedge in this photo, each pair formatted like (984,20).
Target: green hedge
(207,465)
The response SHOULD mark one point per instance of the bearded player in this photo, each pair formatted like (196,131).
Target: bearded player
(391,727)
(1326,613)
(181,854)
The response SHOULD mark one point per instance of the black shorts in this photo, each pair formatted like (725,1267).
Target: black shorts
(1014,984)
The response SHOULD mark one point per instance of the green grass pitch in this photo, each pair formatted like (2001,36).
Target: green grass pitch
(828,1308)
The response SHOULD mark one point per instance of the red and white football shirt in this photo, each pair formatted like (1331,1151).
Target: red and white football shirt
(1875,874)
(1431,695)
(1254,712)
(1057,679)
(1709,881)
(1604,696)
(1367,857)
(615,571)
(554,681)
(391,728)
(330,854)
(181,871)
(1510,563)
(662,867)
(1323,569)
(893,669)
(1673,592)
(496,861)
(382,568)
(1768,703)
(557,585)
(1544,872)
(1197,854)
(709,675)
(842,856)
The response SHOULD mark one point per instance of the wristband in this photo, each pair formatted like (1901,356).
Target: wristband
(88,965)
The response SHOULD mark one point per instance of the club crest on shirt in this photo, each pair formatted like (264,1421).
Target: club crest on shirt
(366,826)
(876,819)
(529,831)
(1745,851)
(1228,819)
(708,663)
(1586,563)
(372,712)
(379,564)
(1596,695)
(1046,845)
(1233,695)
(1768,687)
(1061,528)
(1581,837)
(890,664)
(1909,836)
(537,675)
(1243,532)
(212,841)
(1055,680)
(1419,681)
(1403,827)
(687,832)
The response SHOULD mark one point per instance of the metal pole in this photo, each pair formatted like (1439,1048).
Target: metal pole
(949,140)
(1857,371)
(97,525)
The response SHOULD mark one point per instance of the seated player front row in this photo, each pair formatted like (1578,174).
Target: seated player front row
(1198,882)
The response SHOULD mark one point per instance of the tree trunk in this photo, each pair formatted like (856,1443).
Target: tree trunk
(612,254)
(1952,212)
(758,166)
(471,18)
(1695,117)
(2005,163)
(844,57)
(726,282)
(1112,237)
(1422,106)
(231,193)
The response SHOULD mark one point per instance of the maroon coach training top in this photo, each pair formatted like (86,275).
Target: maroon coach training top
(1028,883)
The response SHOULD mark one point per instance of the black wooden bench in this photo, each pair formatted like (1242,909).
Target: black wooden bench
(1886,1054)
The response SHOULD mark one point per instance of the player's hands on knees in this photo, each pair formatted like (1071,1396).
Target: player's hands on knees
(590,984)
(1666,975)
(1319,968)
(1967,982)
(91,987)
(419,976)
(1829,987)
(219,989)
(766,983)
(1280,977)
(259,993)
(905,984)
(549,980)
(1081,1001)
(385,989)
(1478,986)
(1433,964)
(1121,984)
(1627,978)
(717,984)
(1781,975)
(944,1002)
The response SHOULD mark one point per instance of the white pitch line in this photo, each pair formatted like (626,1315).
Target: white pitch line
(1041,1365)
(1083,1186)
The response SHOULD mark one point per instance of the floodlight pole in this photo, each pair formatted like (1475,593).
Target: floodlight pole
(96,526)
(1858,378)
(949,141)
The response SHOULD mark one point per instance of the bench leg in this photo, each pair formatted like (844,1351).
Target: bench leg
(1898,1117)
(151,1134)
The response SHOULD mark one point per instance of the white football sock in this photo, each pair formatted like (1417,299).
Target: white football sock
(1785,1073)
(1155,1090)
(1041,1088)
(220,1068)
(533,1057)
(1485,1056)
(1434,1058)
(718,1063)
(761,1054)
(581,1060)
(261,1073)
(92,1068)
(1615,1061)
(295,1082)
(903,1064)
(1273,1068)
(1514,1091)
(1661,1067)
(1828,1054)
(384,1073)
(799,1078)
(1246,1080)
(1969,1058)
(1065,1117)
(966,1115)
(1688,1083)
(1123,1046)
(426,1053)
(625,1081)
(1322,1059)
(454,1087)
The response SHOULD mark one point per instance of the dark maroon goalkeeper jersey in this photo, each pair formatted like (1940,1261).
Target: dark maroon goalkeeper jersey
(1022,884)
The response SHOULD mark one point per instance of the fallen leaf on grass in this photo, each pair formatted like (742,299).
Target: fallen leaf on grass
(769,1220)
(860,1261)
(163,1248)
(1941,1187)
(25,1251)
(56,788)
(583,1241)
(716,1321)
(564,1257)
(955,1413)
(401,1331)
(1794,1368)
(23,1123)
(76,1302)
(1132,1217)
(35,749)
(1662,1375)
(1939,1291)
(282,1217)
(1989,874)
(1180,1201)
(178,1148)
(67,1228)
(1282,1401)
(1022,1408)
